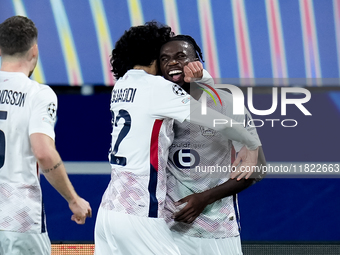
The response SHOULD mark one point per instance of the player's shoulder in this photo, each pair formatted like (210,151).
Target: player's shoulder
(158,80)
(161,85)
(143,78)
(43,88)
(154,84)
(42,91)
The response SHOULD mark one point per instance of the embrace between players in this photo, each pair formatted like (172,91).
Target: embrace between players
(153,186)
(155,202)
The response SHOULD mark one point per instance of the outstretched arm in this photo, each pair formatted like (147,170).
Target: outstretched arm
(224,124)
(213,119)
(54,170)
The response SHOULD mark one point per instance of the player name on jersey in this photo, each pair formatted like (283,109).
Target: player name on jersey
(12,97)
(123,95)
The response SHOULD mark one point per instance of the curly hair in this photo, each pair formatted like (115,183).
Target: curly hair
(17,35)
(140,45)
(191,41)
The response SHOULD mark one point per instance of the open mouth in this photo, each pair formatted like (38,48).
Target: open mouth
(175,75)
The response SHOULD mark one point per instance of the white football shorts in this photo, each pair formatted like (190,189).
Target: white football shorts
(14,243)
(205,246)
(124,234)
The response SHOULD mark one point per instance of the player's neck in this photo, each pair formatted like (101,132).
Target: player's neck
(151,69)
(15,66)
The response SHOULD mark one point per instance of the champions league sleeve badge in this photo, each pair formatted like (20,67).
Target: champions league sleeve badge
(178,90)
(52,111)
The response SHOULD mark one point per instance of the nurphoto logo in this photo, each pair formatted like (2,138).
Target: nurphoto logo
(238,104)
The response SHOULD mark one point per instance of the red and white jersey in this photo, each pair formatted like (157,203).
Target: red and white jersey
(143,107)
(197,151)
(26,107)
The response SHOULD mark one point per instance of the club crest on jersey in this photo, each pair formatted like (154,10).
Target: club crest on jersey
(178,90)
(207,131)
(52,110)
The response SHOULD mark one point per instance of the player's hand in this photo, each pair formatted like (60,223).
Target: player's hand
(195,205)
(248,161)
(81,210)
(193,70)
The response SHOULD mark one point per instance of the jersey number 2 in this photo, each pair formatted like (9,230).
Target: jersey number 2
(120,160)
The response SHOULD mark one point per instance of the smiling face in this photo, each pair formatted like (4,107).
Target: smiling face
(174,55)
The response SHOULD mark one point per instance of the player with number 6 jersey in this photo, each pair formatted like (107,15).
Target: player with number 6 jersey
(201,206)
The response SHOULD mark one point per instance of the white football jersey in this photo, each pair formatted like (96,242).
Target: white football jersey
(26,107)
(197,151)
(143,107)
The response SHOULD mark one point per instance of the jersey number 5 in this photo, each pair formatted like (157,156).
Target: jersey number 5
(3,116)
(123,114)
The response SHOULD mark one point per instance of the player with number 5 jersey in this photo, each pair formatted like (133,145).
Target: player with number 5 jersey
(27,119)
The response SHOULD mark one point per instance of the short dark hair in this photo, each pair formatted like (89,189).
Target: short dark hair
(17,35)
(191,41)
(140,45)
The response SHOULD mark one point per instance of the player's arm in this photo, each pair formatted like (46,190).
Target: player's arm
(194,71)
(198,201)
(223,124)
(176,107)
(245,169)
(53,169)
